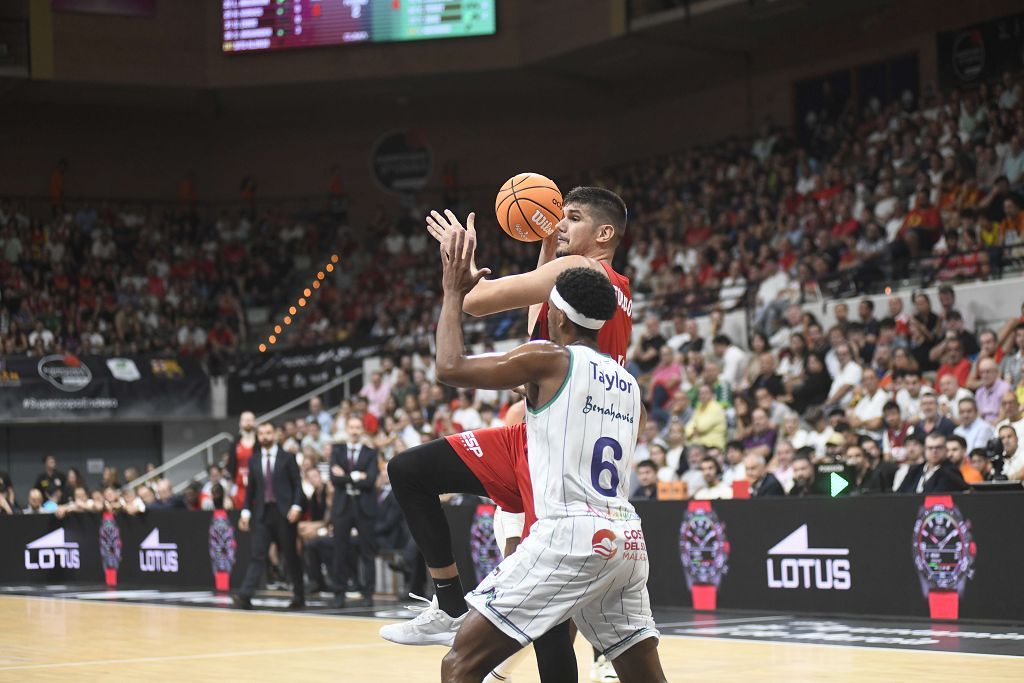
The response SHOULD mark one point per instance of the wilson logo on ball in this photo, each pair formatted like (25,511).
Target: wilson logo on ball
(603,544)
(541,221)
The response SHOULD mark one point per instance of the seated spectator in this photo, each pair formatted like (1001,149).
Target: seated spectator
(896,432)
(647,481)
(953,363)
(708,426)
(931,420)
(975,431)
(781,464)
(761,440)
(1010,413)
(956,448)
(950,395)
(762,482)
(990,391)
(814,388)
(657,455)
(165,498)
(803,476)
(936,474)
(1013,452)
(666,377)
(1013,360)
(318,415)
(714,487)
(981,463)
(8,500)
(35,503)
(734,469)
(866,414)
(675,444)
(693,477)
(732,359)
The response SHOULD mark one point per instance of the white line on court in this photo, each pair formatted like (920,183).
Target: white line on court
(208,655)
(711,621)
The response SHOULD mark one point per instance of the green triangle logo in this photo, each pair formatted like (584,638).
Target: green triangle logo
(837,484)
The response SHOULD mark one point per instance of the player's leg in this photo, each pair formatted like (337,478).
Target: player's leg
(479,647)
(508,531)
(418,476)
(640,663)
(556,660)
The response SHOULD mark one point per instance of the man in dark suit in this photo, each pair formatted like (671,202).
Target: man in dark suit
(273,505)
(936,474)
(354,472)
(762,482)
(390,527)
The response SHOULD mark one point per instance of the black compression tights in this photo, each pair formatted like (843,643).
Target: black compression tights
(418,476)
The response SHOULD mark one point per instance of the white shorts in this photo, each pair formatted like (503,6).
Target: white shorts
(590,569)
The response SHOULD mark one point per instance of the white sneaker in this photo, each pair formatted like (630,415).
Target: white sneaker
(432,626)
(602,671)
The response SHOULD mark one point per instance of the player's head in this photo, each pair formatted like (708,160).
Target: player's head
(580,303)
(594,221)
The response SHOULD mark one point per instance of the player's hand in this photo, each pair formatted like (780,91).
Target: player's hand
(441,227)
(457,252)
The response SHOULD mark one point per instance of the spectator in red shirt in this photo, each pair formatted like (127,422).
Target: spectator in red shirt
(922,227)
(954,364)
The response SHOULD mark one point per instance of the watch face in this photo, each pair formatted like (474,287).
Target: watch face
(943,548)
(110,544)
(703,547)
(222,544)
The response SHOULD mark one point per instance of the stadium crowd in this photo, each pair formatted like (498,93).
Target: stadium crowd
(929,189)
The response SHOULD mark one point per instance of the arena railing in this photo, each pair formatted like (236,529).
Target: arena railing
(185,460)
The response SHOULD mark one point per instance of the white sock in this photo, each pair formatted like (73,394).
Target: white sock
(505,668)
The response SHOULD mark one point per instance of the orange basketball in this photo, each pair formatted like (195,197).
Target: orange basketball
(528,206)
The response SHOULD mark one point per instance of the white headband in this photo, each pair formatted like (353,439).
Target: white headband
(574,315)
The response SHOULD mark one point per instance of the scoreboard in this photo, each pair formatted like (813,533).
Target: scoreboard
(253,25)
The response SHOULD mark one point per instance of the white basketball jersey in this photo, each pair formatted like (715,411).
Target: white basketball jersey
(581,442)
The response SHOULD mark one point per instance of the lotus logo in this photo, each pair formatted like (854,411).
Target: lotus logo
(67,373)
(603,544)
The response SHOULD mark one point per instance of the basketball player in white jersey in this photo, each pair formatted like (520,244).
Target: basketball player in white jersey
(585,558)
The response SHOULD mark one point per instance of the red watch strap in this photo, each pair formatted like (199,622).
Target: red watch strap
(945,501)
(704,596)
(944,604)
(704,505)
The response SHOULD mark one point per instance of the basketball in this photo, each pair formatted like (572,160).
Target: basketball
(528,207)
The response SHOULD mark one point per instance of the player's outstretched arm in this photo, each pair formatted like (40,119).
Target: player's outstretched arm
(509,292)
(533,364)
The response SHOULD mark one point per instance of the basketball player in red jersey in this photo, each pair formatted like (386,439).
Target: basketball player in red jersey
(492,462)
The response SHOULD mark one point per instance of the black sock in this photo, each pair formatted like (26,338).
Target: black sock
(450,596)
(597,654)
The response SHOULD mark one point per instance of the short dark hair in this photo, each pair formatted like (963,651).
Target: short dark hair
(267,422)
(890,405)
(724,340)
(734,445)
(589,292)
(915,437)
(608,206)
(718,467)
(647,463)
(959,439)
(978,452)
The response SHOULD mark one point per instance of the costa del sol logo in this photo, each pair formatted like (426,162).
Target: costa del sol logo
(603,544)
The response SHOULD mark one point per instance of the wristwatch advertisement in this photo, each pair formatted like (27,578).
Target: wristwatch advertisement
(944,553)
(110,548)
(703,550)
(222,549)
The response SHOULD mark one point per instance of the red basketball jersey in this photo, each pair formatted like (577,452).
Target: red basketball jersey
(614,337)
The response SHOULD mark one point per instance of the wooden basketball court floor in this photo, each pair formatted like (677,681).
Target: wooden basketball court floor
(48,639)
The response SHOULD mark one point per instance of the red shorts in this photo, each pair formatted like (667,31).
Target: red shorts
(497,457)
